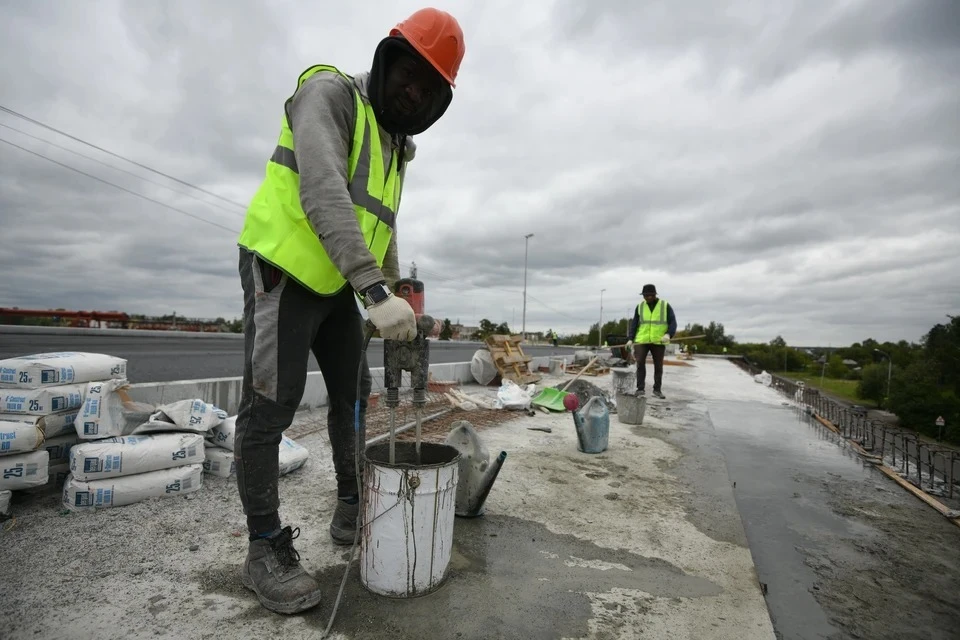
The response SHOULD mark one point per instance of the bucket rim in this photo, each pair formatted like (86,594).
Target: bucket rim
(435,447)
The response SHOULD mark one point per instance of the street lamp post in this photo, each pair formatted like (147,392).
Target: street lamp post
(889,371)
(526,243)
(600,326)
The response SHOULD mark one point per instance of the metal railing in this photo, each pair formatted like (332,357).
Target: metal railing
(930,466)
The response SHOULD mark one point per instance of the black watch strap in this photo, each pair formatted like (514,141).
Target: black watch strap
(375,294)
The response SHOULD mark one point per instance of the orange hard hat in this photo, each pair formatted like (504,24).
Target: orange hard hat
(437,36)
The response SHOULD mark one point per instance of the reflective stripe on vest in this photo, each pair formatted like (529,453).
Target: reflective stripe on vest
(653,324)
(276,227)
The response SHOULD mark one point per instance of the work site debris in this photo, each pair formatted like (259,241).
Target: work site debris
(482,367)
(512,396)
(52,369)
(585,390)
(512,363)
(469,402)
(763,378)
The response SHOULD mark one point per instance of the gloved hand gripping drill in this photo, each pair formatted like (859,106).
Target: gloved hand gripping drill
(412,356)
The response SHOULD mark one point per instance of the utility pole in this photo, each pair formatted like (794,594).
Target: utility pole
(889,372)
(526,244)
(600,326)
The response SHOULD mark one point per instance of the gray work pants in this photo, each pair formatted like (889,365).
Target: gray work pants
(282,323)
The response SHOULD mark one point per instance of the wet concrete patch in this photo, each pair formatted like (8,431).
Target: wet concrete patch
(508,578)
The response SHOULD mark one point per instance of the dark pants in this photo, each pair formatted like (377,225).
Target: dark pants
(640,352)
(282,323)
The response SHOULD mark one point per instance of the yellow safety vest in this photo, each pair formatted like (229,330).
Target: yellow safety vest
(653,324)
(276,227)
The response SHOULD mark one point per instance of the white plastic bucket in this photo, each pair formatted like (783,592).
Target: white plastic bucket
(407,515)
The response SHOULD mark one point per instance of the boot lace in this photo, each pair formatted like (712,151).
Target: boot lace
(282,546)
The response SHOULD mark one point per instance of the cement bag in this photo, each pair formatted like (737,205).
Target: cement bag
(5,504)
(219,462)
(19,437)
(59,448)
(52,424)
(129,455)
(117,492)
(482,367)
(102,414)
(24,470)
(292,455)
(224,433)
(39,402)
(67,367)
(196,416)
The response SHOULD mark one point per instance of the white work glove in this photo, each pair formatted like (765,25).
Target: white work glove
(665,339)
(629,344)
(394,318)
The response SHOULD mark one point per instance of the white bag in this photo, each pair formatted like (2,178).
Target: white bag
(186,415)
(24,470)
(224,434)
(39,402)
(130,455)
(482,367)
(511,396)
(59,448)
(19,437)
(116,492)
(102,414)
(67,367)
(52,424)
(5,503)
(219,462)
(292,455)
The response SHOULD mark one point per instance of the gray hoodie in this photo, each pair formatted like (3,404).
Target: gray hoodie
(322,116)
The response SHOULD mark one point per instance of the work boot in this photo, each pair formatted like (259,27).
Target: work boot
(343,525)
(272,570)
(659,394)
(640,393)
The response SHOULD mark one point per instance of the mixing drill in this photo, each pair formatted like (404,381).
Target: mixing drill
(413,357)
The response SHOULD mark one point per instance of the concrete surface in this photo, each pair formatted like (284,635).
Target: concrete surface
(641,541)
(161,356)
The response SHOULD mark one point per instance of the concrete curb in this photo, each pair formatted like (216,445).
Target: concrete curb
(225,392)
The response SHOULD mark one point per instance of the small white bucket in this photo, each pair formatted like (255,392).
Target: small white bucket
(407,515)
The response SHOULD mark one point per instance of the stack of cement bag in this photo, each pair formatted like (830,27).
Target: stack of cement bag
(219,451)
(40,397)
(133,452)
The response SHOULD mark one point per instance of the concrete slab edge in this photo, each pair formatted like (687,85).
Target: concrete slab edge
(225,392)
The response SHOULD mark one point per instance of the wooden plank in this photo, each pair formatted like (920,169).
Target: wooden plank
(519,357)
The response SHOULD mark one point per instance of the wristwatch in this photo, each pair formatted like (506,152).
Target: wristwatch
(374,294)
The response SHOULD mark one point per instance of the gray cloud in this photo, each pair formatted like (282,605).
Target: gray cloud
(784,170)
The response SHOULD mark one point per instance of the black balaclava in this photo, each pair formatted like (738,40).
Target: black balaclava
(386,53)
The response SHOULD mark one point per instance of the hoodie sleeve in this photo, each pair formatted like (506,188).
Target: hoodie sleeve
(632,329)
(322,117)
(671,321)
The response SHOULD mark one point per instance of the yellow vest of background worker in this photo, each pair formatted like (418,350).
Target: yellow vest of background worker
(653,324)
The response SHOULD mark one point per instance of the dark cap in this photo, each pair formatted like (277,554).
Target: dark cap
(649,288)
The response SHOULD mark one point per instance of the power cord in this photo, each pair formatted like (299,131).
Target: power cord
(356,462)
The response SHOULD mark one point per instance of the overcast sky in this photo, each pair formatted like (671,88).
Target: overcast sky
(785,168)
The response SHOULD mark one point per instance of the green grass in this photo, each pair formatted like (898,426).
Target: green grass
(846,389)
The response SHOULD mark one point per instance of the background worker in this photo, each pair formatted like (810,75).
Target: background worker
(319,232)
(652,327)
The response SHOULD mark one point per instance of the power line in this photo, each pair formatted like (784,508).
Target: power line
(117,155)
(131,173)
(116,186)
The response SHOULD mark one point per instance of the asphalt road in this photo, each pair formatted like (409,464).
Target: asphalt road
(155,357)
